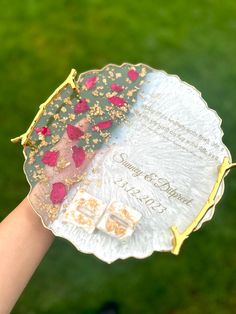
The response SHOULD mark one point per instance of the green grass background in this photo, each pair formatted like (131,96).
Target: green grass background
(40,42)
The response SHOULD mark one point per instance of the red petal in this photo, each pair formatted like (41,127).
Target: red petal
(90,82)
(117,101)
(50,158)
(46,131)
(74,132)
(58,192)
(116,88)
(78,155)
(102,125)
(43,130)
(133,74)
(38,130)
(81,106)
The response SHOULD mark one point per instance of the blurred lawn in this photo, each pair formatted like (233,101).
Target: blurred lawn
(40,42)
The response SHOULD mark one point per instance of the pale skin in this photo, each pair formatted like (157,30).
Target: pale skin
(23,238)
(23,243)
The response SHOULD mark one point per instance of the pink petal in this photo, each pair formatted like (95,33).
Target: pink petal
(117,101)
(46,131)
(74,132)
(133,75)
(38,129)
(116,88)
(102,125)
(50,158)
(78,155)
(43,130)
(81,106)
(90,82)
(58,192)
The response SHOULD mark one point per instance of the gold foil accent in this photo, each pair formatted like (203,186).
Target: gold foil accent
(119,220)
(179,237)
(24,138)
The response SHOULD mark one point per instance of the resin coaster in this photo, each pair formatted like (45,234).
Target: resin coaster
(125,161)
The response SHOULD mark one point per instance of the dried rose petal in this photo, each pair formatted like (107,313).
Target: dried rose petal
(58,192)
(78,155)
(43,130)
(90,82)
(116,88)
(50,158)
(81,106)
(133,74)
(73,132)
(117,101)
(102,125)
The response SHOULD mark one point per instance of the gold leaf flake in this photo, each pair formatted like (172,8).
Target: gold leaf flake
(63,109)
(72,116)
(67,101)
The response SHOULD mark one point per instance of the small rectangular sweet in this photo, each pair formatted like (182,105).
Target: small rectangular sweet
(85,210)
(119,220)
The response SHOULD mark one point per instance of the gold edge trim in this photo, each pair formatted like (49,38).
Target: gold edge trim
(179,237)
(69,80)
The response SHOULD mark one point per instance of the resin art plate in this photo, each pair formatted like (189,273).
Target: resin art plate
(124,161)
